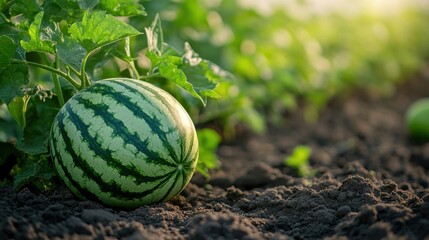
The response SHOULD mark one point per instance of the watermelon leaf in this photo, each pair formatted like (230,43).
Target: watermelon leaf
(70,52)
(25,176)
(197,76)
(11,80)
(36,132)
(59,10)
(203,74)
(173,73)
(41,39)
(201,80)
(35,167)
(87,4)
(98,28)
(168,67)
(28,8)
(7,50)
(17,108)
(122,7)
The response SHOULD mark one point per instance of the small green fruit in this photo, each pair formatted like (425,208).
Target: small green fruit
(417,120)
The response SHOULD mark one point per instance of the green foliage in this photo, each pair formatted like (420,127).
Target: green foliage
(197,76)
(36,170)
(299,160)
(41,108)
(208,141)
(98,28)
(417,120)
(9,129)
(49,50)
(70,52)
(7,50)
(28,8)
(17,109)
(11,80)
(122,7)
(40,38)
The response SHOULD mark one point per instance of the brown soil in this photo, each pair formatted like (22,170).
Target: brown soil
(370,182)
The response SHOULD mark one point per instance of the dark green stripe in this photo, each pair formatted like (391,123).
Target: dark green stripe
(188,169)
(112,187)
(153,122)
(189,163)
(171,187)
(160,185)
(186,177)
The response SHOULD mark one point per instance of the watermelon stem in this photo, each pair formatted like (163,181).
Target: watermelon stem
(131,62)
(83,76)
(57,84)
(150,76)
(48,68)
(55,79)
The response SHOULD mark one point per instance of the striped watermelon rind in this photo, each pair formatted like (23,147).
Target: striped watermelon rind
(125,143)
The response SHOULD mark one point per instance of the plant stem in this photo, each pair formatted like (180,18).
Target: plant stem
(55,79)
(76,72)
(57,84)
(83,76)
(5,19)
(134,69)
(150,76)
(24,110)
(51,69)
(132,64)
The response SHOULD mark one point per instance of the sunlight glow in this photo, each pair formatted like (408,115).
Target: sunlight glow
(305,8)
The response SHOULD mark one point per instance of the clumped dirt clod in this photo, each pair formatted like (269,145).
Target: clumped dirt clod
(370,182)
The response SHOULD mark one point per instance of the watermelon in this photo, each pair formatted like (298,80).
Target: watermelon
(417,120)
(124,143)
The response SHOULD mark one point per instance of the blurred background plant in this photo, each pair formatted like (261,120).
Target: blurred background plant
(288,51)
(299,161)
